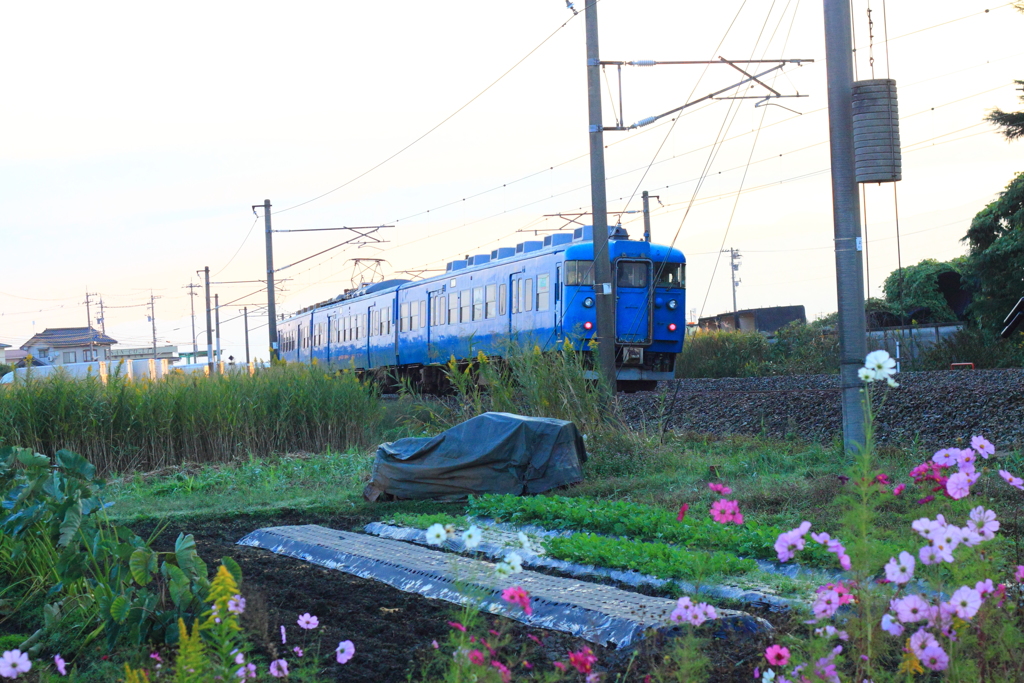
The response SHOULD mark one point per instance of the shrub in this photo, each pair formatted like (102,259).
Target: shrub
(982,347)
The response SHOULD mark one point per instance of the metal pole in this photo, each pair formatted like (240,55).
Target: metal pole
(216,323)
(732,267)
(103,317)
(152,318)
(599,204)
(245,316)
(647,216)
(846,217)
(209,324)
(271,304)
(192,302)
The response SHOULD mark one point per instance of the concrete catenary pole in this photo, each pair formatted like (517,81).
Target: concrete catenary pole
(245,317)
(647,215)
(599,203)
(846,217)
(152,319)
(271,304)
(216,321)
(209,323)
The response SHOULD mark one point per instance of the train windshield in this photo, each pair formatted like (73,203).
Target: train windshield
(579,273)
(633,274)
(671,275)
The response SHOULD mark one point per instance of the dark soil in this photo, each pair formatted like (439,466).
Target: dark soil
(392,630)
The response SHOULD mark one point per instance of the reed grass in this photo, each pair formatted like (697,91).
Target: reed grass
(136,425)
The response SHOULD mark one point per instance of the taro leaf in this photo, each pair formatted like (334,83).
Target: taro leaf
(75,464)
(233,568)
(178,585)
(142,565)
(119,609)
(51,615)
(29,459)
(12,497)
(123,551)
(72,521)
(23,519)
(185,553)
(70,565)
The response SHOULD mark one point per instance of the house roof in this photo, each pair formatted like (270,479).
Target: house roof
(60,337)
(5,346)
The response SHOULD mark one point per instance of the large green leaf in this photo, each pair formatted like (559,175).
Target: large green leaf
(75,464)
(72,522)
(119,609)
(185,553)
(178,586)
(142,564)
(29,459)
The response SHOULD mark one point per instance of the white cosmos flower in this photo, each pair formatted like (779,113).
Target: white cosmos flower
(881,364)
(515,562)
(436,535)
(472,537)
(892,383)
(866,375)
(503,570)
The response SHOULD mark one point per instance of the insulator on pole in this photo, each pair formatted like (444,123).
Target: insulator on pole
(642,62)
(876,132)
(644,122)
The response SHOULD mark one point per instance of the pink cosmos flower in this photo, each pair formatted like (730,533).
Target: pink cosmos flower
(345,651)
(966,601)
(891,626)
(946,539)
(966,459)
(934,657)
(592,677)
(236,605)
(477,657)
(583,660)
(789,542)
(930,555)
(297,650)
(946,457)
(724,511)
(506,675)
(284,637)
(927,499)
(924,526)
(983,446)
(985,523)
(247,671)
(911,608)
(777,655)
(969,535)
(701,613)
(920,640)
(826,604)
(899,489)
(279,668)
(720,488)
(517,596)
(984,587)
(62,666)
(682,512)
(958,486)
(14,662)
(1012,480)
(902,570)
(1019,574)
(821,538)
(307,621)
(457,626)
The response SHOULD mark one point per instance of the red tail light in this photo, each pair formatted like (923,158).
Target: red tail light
(588,325)
(671,327)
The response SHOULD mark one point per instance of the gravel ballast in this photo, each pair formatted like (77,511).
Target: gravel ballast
(933,409)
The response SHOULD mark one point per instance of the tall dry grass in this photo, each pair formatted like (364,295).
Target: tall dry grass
(142,425)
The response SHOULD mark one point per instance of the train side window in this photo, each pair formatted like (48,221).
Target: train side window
(543,287)
(414,315)
(502,298)
(423,313)
(671,275)
(466,310)
(478,303)
(491,294)
(453,308)
(403,317)
(528,293)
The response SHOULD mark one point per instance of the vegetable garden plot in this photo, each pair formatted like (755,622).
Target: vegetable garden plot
(598,613)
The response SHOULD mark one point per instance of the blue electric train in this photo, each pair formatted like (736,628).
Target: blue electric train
(540,291)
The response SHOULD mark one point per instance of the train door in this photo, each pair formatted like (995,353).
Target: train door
(633,301)
(330,321)
(370,332)
(300,342)
(558,302)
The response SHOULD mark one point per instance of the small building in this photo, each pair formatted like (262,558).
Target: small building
(765,320)
(3,353)
(65,345)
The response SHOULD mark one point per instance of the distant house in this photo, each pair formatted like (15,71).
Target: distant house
(3,353)
(63,345)
(765,320)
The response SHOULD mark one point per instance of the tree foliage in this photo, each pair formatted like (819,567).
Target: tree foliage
(915,294)
(996,257)
(1010,123)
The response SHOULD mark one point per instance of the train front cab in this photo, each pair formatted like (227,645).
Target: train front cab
(649,288)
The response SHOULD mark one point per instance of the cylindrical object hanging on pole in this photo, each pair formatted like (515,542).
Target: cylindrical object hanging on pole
(876,131)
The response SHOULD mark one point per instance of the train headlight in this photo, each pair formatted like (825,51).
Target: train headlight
(588,302)
(672,304)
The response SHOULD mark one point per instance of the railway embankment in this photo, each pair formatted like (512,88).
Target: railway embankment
(932,409)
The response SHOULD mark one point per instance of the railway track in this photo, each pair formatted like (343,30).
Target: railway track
(933,409)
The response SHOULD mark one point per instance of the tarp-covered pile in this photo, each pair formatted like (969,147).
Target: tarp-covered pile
(491,453)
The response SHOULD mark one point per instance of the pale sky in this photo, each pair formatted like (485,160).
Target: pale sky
(135,140)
